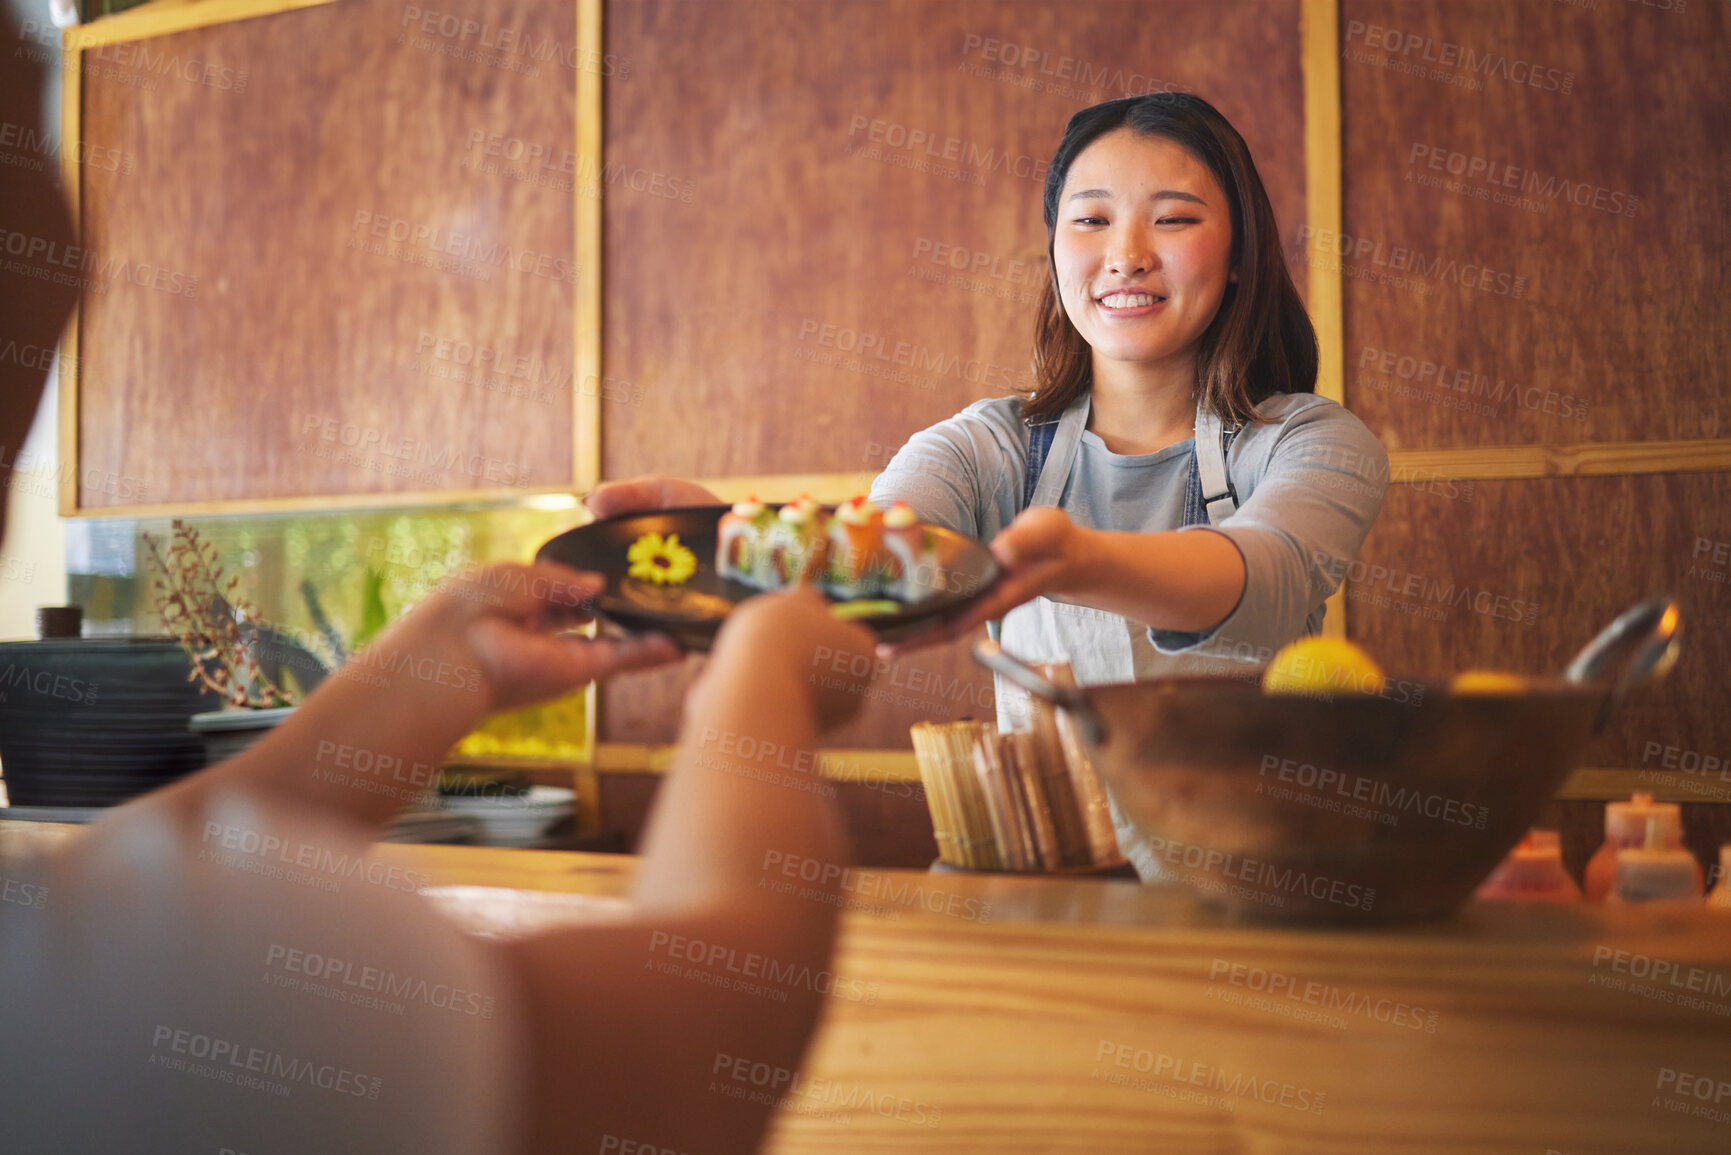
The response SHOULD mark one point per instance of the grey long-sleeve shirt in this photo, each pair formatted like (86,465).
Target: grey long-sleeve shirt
(1310,480)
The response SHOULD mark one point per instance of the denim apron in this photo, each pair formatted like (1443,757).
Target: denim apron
(1097,644)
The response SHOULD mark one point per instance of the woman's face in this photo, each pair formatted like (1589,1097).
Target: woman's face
(1141,248)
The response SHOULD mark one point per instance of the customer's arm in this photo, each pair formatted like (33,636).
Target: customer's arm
(638,1031)
(371,738)
(647,1032)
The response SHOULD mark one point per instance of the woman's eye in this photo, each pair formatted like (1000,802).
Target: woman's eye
(1179,220)
(1090,220)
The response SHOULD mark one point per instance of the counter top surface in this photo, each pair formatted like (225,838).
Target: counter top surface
(1030,1015)
(1024,1015)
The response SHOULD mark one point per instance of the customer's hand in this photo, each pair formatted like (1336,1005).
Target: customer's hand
(791,638)
(507,617)
(647,493)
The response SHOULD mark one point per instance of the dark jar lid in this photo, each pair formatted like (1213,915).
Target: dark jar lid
(59,621)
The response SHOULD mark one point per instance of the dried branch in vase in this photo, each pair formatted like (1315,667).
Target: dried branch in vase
(202,611)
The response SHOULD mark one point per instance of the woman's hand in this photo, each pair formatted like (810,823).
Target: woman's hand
(647,493)
(1042,552)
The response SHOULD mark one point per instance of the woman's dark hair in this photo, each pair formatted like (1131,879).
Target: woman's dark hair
(1260,342)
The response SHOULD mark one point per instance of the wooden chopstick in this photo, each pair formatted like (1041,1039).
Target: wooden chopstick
(960,820)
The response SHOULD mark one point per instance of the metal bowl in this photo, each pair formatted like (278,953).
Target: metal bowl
(1347,808)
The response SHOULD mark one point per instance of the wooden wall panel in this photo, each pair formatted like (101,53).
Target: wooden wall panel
(1560,169)
(1548,563)
(940,684)
(740,313)
(258,185)
(1567,162)
(730,307)
(887,826)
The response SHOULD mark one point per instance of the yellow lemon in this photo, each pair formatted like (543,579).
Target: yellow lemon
(1322,665)
(1487,682)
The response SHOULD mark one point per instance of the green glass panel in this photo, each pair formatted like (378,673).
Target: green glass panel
(400,554)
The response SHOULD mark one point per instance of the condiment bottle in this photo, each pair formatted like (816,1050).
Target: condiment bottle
(1656,871)
(1720,899)
(1533,870)
(1626,829)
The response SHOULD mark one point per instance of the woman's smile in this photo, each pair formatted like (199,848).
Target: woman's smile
(1126,303)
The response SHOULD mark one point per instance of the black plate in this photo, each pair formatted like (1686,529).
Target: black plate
(691,613)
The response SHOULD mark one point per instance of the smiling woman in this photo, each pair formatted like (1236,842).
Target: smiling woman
(1172,498)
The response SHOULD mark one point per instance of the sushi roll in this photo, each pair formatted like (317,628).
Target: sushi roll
(742,544)
(858,560)
(909,544)
(795,537)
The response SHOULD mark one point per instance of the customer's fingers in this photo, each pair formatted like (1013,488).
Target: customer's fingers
(523,666)
(541,591)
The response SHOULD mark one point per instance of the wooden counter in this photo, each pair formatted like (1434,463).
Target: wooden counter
(1509,1028)
(1106,1016)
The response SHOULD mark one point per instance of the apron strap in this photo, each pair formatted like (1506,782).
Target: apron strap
(1039,446)
(1212,439)
(1057,460)
(1051,454)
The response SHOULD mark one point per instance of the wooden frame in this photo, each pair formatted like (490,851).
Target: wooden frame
(891,765)
(1406,467)
(1588,783)
(1319,47)
(1616,783)
(164,17)
(1319,34)
(586,404)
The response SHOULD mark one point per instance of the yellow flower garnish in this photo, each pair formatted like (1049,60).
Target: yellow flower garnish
(662,561)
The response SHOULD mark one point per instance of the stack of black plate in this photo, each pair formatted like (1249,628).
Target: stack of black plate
(95,721)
